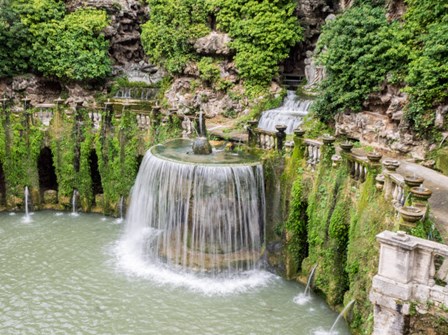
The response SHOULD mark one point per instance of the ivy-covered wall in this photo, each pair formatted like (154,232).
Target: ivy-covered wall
(332,222)
(74,142)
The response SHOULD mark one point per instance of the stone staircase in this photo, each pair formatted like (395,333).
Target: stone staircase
(291,81)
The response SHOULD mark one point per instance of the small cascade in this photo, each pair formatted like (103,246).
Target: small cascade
(74,205)
(303,298)
(346,308)
(136,93)
(290,114)
(121,208)
(27,214)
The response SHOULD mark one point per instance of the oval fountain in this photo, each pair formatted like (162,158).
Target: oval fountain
(196,216)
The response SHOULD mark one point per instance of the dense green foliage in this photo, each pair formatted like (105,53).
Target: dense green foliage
(40,35)
(167,36)
(117,159)
(262,33)
(14,41)
(22,143)
(72,48)
(362,50)
(357,49)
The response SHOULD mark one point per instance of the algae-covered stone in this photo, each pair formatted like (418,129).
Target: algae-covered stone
(50,197)
(442,161)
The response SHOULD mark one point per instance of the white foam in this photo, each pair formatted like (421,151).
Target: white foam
(302,299)
(131,262)
(290,114)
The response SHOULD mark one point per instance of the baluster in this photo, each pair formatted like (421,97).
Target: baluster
(432,270)
(395,192)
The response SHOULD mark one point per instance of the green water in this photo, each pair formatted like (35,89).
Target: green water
(180,150)
(60,275)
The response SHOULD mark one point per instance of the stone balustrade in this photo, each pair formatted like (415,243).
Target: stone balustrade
(411,272)
(266,139)
(143,121)
(394,189)
(358,167)
(312,152)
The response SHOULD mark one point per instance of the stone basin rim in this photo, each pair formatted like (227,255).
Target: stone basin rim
(210,164)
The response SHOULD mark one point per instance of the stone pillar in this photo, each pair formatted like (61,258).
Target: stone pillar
(252,136)
(328,150)
(406,273)
(281,136)
(299,143)
(391,287)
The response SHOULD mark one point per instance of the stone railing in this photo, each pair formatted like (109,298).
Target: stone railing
(394,189)
(143,121)
(312,152)
(358,167)
(264,139)
(411,272)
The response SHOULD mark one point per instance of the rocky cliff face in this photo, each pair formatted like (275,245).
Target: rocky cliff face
(126,52)
(126,17)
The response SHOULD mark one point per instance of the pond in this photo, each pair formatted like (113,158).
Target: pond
(61,274)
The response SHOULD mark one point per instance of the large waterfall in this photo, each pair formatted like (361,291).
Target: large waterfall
(206,219)
(290,114)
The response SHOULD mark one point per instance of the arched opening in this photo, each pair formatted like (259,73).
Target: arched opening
(47,173)
(97,187)
(2,186)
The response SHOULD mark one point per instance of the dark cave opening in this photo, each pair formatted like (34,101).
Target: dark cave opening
(46,170)
(97,187)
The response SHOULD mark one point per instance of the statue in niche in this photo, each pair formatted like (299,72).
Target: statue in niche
(314,74)
(186,127)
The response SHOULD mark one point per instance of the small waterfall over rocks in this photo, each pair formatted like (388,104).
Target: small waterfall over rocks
(202,220)
(290,114)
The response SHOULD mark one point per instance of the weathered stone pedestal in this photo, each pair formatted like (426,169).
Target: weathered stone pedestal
(412,274)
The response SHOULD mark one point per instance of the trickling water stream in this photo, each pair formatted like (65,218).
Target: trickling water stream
(290,114)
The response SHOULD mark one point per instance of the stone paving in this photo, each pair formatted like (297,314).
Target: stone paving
(438,184)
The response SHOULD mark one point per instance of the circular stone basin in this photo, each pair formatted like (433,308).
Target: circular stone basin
(421,193)
(180,151)
(328,139)
(411,214)
(391,164)
(346,146)
(413,181)
(374,157)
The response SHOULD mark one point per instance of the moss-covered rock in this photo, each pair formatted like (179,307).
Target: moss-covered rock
(442,160)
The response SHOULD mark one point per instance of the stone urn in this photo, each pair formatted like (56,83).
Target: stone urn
(411,214)
(328,139)
(421,193)
(281,128)
(391,165)
(299,132)
(374,157)
(413,181)
(346,146)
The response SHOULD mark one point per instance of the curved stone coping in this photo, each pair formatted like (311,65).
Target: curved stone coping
(181,152)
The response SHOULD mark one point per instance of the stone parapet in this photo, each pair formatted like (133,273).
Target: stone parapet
(411,271)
